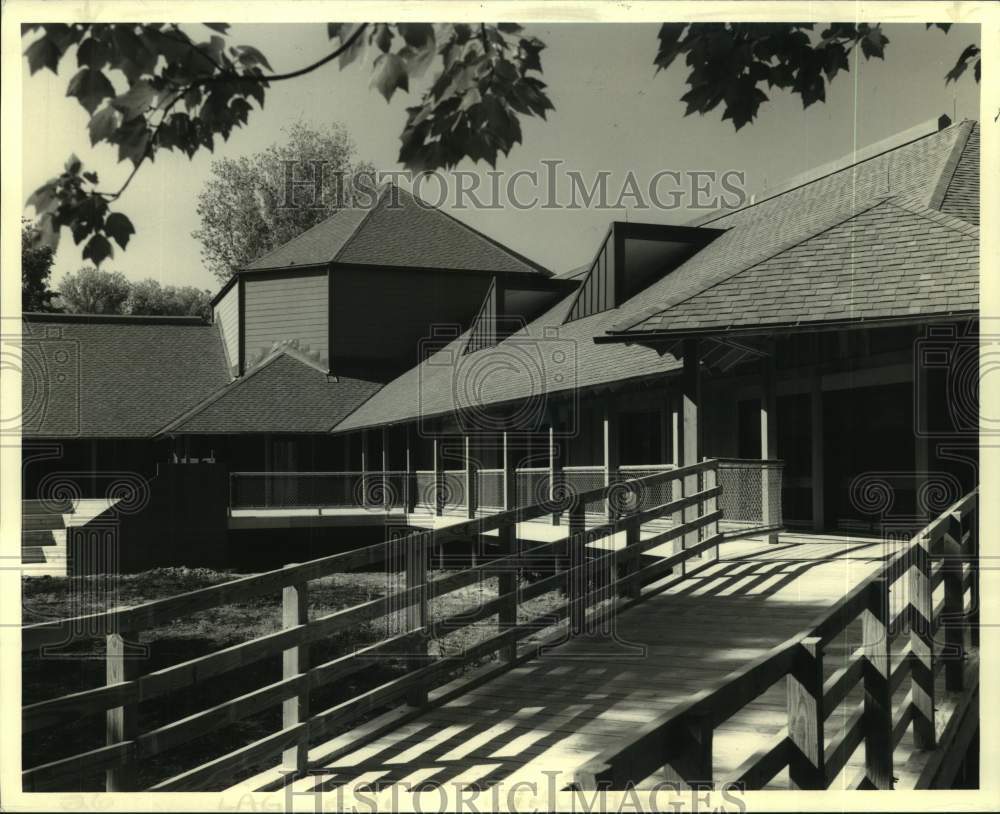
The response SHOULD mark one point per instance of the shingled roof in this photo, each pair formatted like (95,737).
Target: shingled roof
(287,392)
(853,244)
(89,376)
(397,230)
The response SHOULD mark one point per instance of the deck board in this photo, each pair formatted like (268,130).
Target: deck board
(565,707)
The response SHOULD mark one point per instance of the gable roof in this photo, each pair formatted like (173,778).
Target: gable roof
(90,376)
(856,243)
(397,230)
(285,393)
(793,221)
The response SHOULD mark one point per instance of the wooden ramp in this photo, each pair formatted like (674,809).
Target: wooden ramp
(562,709)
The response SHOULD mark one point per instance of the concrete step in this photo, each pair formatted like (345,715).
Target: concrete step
(44,537)
(60,506)
(42,522)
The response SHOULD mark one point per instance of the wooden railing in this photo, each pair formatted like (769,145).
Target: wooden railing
(590,579)
(680,742)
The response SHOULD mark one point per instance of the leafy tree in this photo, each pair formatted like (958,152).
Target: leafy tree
(252,204)
(183,94)
(36,268)
(150,298)
(92,291)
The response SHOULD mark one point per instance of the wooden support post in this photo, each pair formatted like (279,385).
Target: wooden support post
(576,587)
(711,479)
(122,723)
(922,645)
(438,478)
(471,479)
(954,605)
(690,753)
(555,471)
(817,463)
(768,434)
(610,427)
(295,662)
(386,482)
(878,696)
(974,598)
(410,478)
(690,432)
(365,466)
(630,587)
(507,587)
(806,714)
(416,553)
(509,464)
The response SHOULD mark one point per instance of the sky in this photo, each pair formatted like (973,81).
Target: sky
(613,114)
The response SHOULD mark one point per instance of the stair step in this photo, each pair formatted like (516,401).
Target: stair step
(44,537)
(54,506)
(42,522)
(32,554)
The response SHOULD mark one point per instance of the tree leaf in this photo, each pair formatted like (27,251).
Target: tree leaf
(90,87)
(43,53)
(98,249)
(93,53)
(44,199)
(136,100)
(119,227)
(132,139)
(222,28)
(390,74)
(102,124)
(249,56)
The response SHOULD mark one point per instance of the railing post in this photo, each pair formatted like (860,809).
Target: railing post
(974,599)
(878,696)
(438,478)
(610,425)
(768,433)
(630,587)
(417,608)
(509,485)
(295,662)
(954,605)
(690,758)
(576,586)
(712,504)
(555,471)
(922,644)
(471,480)
(122,723)
(507,588)
(806,714)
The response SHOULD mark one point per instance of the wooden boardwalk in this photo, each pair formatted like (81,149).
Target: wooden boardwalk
(560,710)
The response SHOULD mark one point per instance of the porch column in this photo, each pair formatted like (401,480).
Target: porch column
(364,467)
(689,431)
(438,478)
(471,479)
(387,500)
(768,432)
(922,450)
(816,428)
(410,479)
(610,424)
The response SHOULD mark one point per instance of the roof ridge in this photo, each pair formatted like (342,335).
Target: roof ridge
(357,226)
(235,384)
(133,319)
(641,316)
(915,206)
(948,169)
(493,242)
(792,184)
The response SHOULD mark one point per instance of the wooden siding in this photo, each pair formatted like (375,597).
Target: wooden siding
(286,306)
(597,292)
(227,317)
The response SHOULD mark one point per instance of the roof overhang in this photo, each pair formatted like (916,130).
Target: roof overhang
(654,338)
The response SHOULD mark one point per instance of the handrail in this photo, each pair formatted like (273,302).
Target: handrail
(642,754)
(119,698)
(159,611)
